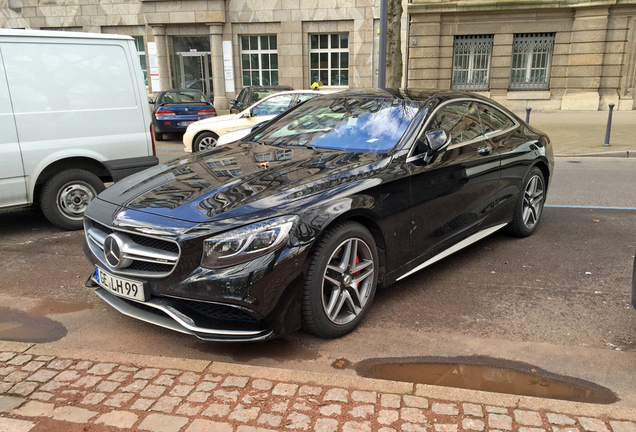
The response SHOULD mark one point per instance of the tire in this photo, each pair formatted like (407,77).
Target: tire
(158,135)
(529,207)
(338,292)
(66,195)
(205,141)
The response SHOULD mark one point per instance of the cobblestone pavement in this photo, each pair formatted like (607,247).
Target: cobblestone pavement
(51,393)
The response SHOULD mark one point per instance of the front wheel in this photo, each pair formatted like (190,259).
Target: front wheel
(341,281)
(66,195)
(529,208)
(205,141)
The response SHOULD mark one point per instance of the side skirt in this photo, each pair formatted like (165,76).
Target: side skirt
(451,250)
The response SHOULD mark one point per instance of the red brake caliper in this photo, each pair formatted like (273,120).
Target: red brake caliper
(357,262)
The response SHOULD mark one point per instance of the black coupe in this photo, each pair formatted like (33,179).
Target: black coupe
(298,223)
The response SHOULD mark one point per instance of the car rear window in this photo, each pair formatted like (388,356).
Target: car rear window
(183,98)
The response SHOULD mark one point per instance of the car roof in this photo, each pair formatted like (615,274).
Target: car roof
(181,90)
(431,97)
(276,87)
(60,34)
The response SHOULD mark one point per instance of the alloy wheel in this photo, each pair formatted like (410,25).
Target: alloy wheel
(207,143)
(347,281)
(533,201)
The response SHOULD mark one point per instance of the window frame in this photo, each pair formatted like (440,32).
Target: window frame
(532,40)
(330,51)
(260,52)
(472,42)
(141,54)
(413,157)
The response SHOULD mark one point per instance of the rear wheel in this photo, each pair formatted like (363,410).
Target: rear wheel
(158,135)
(529,208)
(341,281)
(205,141)
(66,195)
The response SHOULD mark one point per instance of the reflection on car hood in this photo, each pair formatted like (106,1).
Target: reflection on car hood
(238,179)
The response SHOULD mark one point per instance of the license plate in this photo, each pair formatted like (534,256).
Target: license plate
(122,287)
(187,123)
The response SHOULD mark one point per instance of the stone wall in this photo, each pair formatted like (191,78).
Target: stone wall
(592,62)
(159,20)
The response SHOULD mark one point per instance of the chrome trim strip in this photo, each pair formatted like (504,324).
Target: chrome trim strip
(178,321)
(451,250)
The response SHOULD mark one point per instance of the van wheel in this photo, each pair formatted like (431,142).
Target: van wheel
(205,141)
(66,195)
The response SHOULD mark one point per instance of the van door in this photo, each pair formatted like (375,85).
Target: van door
(12,182)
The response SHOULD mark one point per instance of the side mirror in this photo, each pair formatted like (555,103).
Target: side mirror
(150,101)
(437,139)
(232,101)
(248,114)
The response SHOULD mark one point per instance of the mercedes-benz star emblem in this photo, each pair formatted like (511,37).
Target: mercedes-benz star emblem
(113,247)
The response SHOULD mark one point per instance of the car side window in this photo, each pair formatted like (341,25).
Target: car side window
(459,119)
(494,120)
(273,106)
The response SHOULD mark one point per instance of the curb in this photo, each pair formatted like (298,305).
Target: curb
(325,379)
(613,154)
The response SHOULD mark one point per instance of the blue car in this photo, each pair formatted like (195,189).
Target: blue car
(176,109)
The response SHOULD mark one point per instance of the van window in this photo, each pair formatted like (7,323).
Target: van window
(68,77)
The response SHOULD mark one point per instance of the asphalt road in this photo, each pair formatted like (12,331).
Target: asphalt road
(558,300)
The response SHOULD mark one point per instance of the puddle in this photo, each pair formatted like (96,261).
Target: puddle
(52,307)
(18,326)
(487,374)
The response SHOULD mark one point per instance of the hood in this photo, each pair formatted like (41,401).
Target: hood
(239,179)
(219,119)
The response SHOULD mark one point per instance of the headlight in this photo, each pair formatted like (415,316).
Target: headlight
(246,243)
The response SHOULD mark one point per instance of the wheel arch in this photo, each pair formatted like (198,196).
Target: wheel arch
(370,224)
(545,170)
(85,163)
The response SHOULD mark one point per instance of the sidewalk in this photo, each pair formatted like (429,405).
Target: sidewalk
(52,390)
(582,133)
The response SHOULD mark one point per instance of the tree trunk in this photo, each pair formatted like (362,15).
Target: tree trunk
(394,44)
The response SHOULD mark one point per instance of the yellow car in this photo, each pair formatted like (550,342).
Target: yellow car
(203,135)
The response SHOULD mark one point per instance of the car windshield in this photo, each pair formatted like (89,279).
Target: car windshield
(260,94)
(357,125)
(183,97)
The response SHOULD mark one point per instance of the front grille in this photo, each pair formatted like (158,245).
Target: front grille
(154,243)
(142,255)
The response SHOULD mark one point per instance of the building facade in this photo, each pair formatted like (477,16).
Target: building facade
(548,54)
(220,46)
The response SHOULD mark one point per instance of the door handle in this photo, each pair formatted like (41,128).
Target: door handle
(484,150)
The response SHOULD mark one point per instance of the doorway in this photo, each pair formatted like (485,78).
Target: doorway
(193,72)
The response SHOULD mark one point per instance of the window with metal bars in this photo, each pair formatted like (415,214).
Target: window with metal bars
(531,60)
(471,62)
(259,60)
(329,59)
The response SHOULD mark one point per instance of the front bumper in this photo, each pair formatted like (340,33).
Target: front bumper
(250,302)
(178,316)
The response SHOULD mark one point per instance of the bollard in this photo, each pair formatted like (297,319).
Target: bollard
(609,126)
(528,109)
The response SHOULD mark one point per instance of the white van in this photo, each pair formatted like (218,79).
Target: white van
(73,115)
